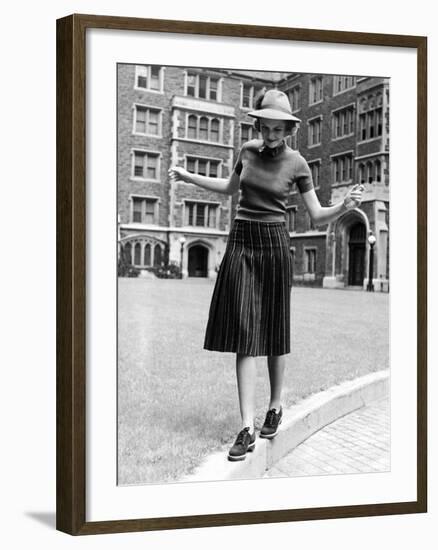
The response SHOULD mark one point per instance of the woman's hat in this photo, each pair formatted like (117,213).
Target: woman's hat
(275,105)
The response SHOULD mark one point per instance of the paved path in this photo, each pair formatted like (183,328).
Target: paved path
(356,443)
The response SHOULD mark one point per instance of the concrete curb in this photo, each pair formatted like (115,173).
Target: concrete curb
(299,423)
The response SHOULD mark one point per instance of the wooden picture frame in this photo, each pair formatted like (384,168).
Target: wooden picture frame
(71,273)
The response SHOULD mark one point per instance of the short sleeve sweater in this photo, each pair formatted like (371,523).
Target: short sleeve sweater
(266,179)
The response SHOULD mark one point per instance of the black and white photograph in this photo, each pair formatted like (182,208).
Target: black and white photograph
(253,274)
(218,337)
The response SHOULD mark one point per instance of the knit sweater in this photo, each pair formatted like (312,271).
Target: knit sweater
(266,179)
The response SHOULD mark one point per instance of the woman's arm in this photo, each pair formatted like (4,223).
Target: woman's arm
(321,215)
(218,185)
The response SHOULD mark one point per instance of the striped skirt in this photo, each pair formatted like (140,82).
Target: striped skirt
(250,307)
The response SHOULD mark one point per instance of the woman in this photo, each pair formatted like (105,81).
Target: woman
(250,308)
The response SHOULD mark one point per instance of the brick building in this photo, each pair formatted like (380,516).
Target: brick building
(197,118)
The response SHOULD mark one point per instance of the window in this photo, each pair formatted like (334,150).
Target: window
(203,128)
(370,171)
(201,214)
(343,83)
(127,253)
(291,218)
(137,254)
(292,141)
(147,254)
(157,255)
(146,165)
(315,126)
(315,90)
(343,122)
(191,85)
(144,210)
(378,170)
(202,86)
(149,77)
(294,98)
(361,173)
(137,209)
(310,260)
(192,127)
(152,254)
(147,120)
(204,167)
(370,124)
(315,168)
(249,94)
(342,168)
(379,122)
(214,130)
(155,78)
(214,82)
(370,117)
(143,254)
(247,132)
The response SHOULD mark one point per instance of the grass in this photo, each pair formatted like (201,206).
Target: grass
(177,402)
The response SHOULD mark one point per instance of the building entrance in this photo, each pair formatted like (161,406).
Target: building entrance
(198,261)
(357,248)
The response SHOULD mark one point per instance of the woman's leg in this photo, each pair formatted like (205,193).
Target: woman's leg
(246,383)
(276,365)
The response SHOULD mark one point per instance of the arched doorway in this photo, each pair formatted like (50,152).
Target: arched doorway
(198,261)
(357,248)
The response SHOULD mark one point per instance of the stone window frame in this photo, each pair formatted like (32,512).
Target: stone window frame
(255,89)
(147,152)
(312,82)
(343,89)
(153,198)
(148,108)
(148,89)
(215,204)
(297,88)
(365,114)
(306,249)
(197,74)
(351,107)
(143,242)
(251,127)
(219,162)
(338,156)
(310,123)
(317,162)
(210,119)
(367,166)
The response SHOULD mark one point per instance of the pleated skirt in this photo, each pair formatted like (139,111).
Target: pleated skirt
(250,307)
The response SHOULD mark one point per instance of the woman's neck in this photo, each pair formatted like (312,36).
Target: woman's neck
(272,151)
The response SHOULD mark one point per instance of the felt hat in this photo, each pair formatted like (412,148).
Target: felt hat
(275,105)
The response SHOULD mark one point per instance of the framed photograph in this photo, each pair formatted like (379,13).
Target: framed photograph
(241,251)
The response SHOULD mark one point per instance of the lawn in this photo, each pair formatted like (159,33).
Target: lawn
(177,402)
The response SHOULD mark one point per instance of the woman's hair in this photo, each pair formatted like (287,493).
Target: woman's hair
(290,124)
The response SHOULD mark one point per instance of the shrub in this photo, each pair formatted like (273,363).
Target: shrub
(170,271)
(127,270)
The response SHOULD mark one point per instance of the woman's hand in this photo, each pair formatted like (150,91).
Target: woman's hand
(176,173)
(354,196)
